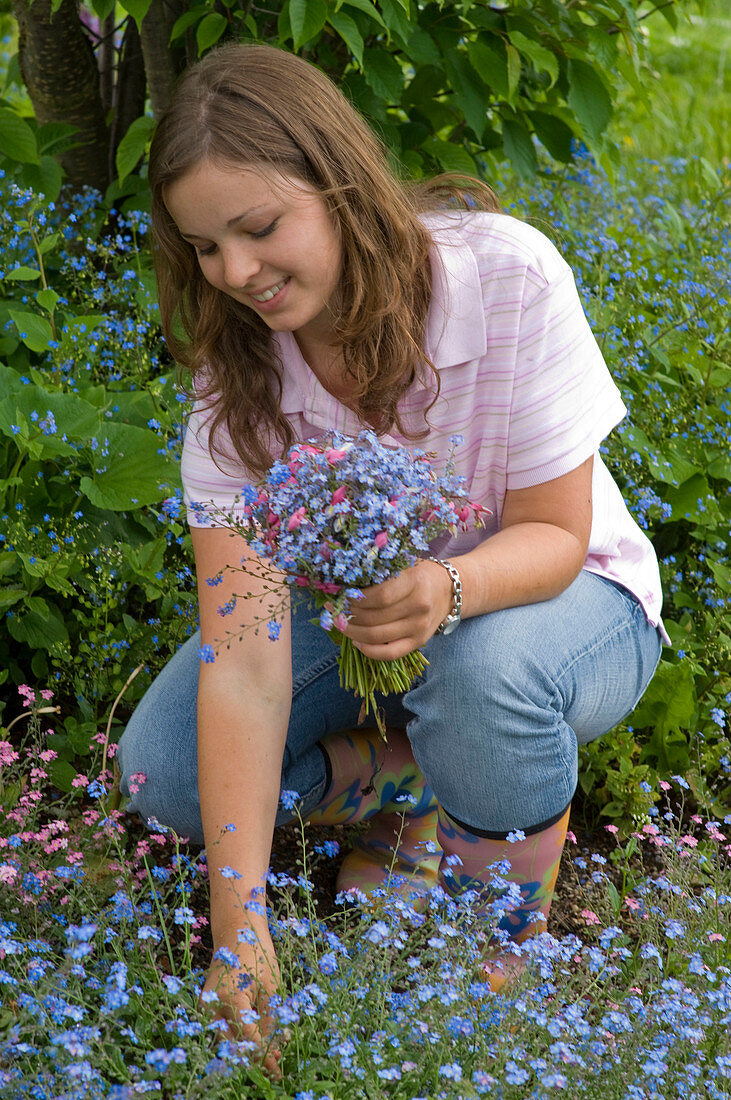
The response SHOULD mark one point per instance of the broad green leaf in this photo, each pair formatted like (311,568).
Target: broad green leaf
(469,91)
(55,137)
(720,467)
(422,49)
(188,19)
(685,500)
(519,148)
(48,243)
(307,18)
(34,331)
(23,274)
(103,8)
(347,28)
(45,178)
(74,417)
(395,13)
(10,596)
(47,299)
(588,99)
(209,30)
(514,67)
(669,702)
(451,157)
(492,68)
(39,625)
(131,473)
(543,59)
(17,139)
(554,134)
(369,9)
(138,9)
(384,74)
(132,147)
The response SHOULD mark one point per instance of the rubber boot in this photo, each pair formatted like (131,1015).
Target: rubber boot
(534,862)
(380,782)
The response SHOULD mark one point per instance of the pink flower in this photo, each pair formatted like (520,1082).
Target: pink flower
(339,495)
(296,518)
(590,916)
(381,540)
(332,456)
(327,587)
(632,904)
(716,937)
(341,622)
(46,693)
(689,840)
(611,829)
(28,694)
(80,781)
(8,873)
(302,581)
(571,837)
(664,786)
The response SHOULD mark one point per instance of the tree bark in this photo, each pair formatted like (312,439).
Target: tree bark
(129,91)
(163,62)
(59,69)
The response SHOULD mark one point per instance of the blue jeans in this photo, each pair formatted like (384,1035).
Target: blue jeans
(495,722)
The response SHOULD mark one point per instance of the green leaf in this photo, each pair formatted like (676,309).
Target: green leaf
(669,703)
(384,74)
(45,178)
(132,472)
(396,15)
(103,8)
(40,625)
(23,273)
(209,30)
(47,299)
(422,49)
(188,19)
(451,157)
(588,99)
(543,60)
(554,134)
(138,9)
(519,148)
(492,68)
(684,500)
(370,9)
(17,139)
(56,137)
(10,596)
(469,91)
(74,417)
(347,28)
(307,18)
(34,331)
(514,67)
(132,147)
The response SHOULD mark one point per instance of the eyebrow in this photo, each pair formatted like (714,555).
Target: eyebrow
(231,222)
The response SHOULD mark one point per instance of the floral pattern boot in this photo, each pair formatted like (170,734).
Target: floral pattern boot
(381,783)
(533,868)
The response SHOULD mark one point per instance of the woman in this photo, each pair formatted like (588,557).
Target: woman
(308,290)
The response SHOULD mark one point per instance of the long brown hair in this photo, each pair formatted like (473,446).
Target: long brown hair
(254,104)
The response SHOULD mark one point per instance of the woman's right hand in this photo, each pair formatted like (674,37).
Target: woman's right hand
(244,992)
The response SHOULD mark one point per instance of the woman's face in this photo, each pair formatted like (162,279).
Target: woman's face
(265,239)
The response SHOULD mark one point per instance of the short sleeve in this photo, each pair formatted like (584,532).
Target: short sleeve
(210,487)
(564,400)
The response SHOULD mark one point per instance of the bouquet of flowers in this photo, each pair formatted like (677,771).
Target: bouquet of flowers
(340,515)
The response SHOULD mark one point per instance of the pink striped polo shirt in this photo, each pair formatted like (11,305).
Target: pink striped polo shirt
(522,380)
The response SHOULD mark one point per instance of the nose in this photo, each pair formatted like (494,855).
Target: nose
(240,265)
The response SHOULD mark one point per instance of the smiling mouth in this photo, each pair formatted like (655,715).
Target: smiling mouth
(267,295)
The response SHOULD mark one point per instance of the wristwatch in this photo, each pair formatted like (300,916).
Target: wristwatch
(454,618)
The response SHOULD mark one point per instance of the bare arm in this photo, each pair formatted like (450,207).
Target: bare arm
(539,550)
(244,700)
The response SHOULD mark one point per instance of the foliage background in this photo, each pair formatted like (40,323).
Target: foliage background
(545,99)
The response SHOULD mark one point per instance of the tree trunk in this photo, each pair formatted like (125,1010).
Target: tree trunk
(129,91)
(59,69)
(163,63)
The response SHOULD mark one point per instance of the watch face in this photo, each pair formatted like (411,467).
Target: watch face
(452,626)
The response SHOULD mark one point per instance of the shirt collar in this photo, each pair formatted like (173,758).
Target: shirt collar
(455,323)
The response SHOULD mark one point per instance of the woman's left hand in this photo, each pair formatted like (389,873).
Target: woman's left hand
(402,613)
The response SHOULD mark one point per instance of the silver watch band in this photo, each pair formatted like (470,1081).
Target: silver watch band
(454,617)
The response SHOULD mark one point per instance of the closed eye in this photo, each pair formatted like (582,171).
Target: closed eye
(265,232)
(205,251)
